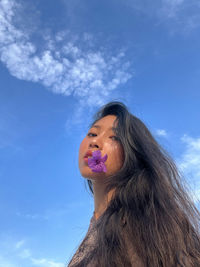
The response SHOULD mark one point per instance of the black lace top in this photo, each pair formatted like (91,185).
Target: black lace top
(89,241)
(86,244)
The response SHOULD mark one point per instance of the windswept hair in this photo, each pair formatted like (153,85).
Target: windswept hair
(160,219)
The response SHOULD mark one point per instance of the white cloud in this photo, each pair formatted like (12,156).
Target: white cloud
(25,253)
(171,7)
(63,67)
(183,15)
(19,244)
(189,163)
(16,254)
(34,216)
(180,16)
(46,263)
(52,214)
(41,262)
(4,262)
(161,132)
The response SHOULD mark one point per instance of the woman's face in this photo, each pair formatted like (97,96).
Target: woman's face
(102,138)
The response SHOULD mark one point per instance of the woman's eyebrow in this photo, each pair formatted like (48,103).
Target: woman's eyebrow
(99,127)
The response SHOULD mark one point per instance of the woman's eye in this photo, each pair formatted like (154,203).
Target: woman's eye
(113,137)
(90,133)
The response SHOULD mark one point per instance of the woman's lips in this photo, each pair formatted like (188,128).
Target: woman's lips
(95,161)
(86,159)
(88,154)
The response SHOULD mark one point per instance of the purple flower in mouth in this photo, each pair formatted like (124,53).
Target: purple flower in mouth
(96,163)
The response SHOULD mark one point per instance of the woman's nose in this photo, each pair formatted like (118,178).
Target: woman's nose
(95,143)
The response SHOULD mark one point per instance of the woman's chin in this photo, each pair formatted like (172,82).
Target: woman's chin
(89,174)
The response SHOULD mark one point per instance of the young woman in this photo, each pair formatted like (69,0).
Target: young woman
(143,216)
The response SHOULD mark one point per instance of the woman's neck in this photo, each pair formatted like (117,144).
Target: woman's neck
(101,199)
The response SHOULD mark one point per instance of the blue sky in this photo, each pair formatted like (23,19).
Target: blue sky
(59,62)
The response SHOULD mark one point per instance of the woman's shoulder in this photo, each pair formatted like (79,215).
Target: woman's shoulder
(86,244)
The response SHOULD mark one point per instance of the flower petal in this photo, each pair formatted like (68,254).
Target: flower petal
(104,158)
(104,168)
(96,163)
(96,154)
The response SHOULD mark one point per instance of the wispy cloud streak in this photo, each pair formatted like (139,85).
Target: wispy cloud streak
(20,255)
(161,132)
(181,16)
(5,262)
(182,13)
(189,163)
(63,67)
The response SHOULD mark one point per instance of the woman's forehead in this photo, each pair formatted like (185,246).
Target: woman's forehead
(107,121)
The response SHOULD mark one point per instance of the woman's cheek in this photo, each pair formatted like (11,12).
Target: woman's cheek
(83,146)
(82,150)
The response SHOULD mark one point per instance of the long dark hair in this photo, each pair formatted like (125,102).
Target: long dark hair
(151,205)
